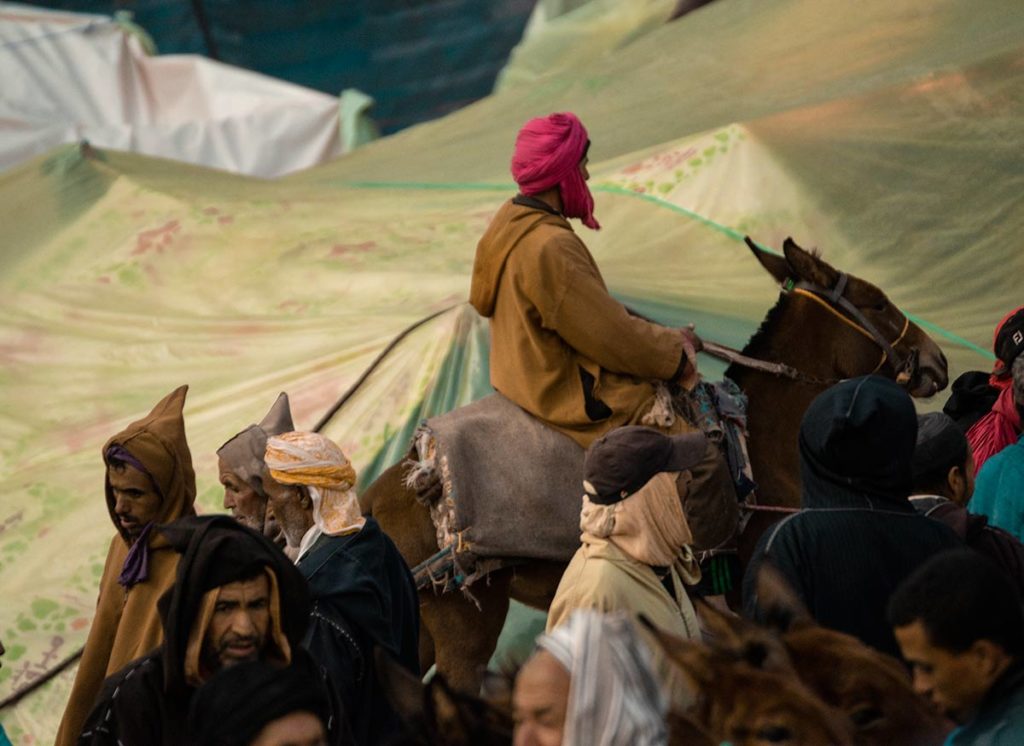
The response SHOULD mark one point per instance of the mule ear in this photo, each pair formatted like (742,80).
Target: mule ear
(726,631)
(742,638)
(782,608)
(404,691)
(692,660)
(775,265)
(808,266)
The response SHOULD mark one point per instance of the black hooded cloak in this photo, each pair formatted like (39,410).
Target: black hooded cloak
(858,536)
(237,703)
(147,702)
(363,597)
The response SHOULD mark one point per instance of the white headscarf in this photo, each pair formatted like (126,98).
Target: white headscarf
(614,696)
(318,464)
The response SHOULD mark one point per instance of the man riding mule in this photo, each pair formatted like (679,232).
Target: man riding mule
(561,347)
(826,326)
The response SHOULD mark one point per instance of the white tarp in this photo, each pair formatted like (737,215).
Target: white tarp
(66,77)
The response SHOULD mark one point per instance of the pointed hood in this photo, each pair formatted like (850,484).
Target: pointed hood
(157,441)
(508,227)
(244,452)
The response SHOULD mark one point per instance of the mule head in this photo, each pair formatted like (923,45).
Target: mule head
(738,703)
(857,348)
(871,688)
(434,714)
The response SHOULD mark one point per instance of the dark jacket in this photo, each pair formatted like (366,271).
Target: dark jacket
(147,702)
(858,536)
(1003,549)
(363,597)
(971,398)
(999,720)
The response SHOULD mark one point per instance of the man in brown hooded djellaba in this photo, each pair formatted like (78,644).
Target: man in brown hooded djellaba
(149,480)
(243,472)
(562,347)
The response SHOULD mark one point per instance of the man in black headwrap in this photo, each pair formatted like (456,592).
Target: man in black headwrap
(235,598)
(257,703)
(858,535)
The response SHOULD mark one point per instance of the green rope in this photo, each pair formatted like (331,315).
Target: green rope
(652,199)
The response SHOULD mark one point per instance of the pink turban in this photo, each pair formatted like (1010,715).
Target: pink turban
(548,153)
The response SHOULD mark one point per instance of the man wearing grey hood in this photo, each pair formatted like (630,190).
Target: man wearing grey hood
(243,471)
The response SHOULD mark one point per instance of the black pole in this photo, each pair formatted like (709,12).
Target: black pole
(204,25)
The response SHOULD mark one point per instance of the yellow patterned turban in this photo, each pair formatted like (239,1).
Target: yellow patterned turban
(317,463)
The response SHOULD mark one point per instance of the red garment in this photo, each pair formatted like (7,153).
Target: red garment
(547,154)
(1001,370)
(999,428)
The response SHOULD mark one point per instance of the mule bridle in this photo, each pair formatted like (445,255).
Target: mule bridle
(835,302)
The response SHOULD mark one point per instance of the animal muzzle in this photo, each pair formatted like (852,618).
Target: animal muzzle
(924,375)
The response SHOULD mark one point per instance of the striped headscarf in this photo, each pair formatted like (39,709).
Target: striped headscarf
(318,464)
(614,696)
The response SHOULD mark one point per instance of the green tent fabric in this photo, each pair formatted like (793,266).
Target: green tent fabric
(892,137)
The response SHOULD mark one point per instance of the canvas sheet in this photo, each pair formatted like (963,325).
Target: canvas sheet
(70,77)
(892,138)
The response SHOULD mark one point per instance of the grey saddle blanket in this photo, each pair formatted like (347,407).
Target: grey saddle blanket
(511,486)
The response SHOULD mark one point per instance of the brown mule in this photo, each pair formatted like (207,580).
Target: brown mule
(814,336)
(872,688)
(743,705)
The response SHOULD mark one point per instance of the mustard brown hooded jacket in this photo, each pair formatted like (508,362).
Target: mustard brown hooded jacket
(561,347)
(127,625)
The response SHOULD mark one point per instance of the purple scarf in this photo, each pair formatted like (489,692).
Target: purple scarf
(136,564)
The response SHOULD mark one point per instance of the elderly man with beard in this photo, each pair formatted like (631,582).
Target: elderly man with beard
(590,682)
(243,471)
(149,480)
(236,598)
(363,593)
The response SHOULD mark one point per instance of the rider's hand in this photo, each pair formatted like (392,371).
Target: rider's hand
(692,338)
(691,344)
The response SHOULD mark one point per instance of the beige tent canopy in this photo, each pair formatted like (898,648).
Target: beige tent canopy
(889,134)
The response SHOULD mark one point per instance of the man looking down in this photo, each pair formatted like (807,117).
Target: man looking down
(149,480)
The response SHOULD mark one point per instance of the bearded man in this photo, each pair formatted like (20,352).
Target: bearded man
(149,480)
(236,598)
(561,347)
(363,594)
(243,471)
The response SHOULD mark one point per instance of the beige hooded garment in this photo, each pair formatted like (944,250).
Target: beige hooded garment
(126,625)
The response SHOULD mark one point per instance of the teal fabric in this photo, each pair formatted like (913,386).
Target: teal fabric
(4,740)
(999,491)
(1000,719)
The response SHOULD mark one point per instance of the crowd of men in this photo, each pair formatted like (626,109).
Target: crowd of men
(266,627)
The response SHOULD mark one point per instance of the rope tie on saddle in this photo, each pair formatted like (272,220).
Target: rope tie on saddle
(662,413)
